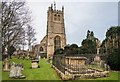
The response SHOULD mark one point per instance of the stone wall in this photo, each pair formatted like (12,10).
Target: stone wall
(75,67)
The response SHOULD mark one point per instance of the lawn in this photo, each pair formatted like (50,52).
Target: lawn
(45,72)
(0,70)
(113,76)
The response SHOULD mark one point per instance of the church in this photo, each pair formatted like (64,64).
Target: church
(55,37)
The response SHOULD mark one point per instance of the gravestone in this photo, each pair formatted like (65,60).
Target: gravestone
(35,63)
(12,70)
(102,63)
(108,68)
(39,57)
(105,65)
(16,71)
(19,71)
(97,59)
(6,66)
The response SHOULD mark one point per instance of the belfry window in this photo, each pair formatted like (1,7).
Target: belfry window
(57,43)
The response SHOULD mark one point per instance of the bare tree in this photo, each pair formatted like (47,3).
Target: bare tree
(30,33)
(0,33)
(15,17)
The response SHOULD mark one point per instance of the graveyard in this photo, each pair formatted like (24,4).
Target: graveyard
(62,54)
(45,72)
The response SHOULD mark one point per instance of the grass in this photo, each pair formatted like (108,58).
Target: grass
(45,72)
(0,70)
(113,76)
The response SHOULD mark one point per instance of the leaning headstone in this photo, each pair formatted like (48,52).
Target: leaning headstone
(6,66)
(19,71)
(16,71)
(12,70)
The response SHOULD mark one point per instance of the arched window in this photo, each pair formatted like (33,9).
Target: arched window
(55,17)
(57,43)
(59,17)
(41,48)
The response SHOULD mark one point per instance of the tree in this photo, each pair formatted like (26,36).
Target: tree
(15,17)
(112,40)
(0,34)
(92,33)
(30,33)
(11,50)
(111,46)
(71,49)
(88,46)
(88,34)
(73,46)
(113,60)
(58,51)
(67,47)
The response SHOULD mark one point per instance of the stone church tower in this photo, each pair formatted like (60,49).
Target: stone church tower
(55,37)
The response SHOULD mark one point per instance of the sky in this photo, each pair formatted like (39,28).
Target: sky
(79,16)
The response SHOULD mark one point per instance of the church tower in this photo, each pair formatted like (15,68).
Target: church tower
(56,37)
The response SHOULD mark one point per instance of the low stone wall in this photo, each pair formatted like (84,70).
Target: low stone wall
(76,68)
(95,75)
(63,76)
(68,76)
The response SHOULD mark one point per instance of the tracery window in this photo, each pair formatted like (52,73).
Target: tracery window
(57,42)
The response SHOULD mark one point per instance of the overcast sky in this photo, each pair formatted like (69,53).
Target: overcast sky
(79,17)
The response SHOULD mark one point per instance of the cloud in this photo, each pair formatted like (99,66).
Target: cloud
(79,17)
(94,16)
